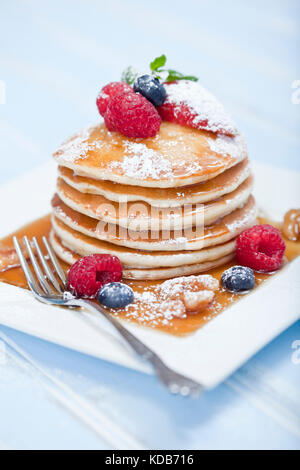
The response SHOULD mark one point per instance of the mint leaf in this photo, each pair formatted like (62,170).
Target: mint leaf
(129,75)
(192,78)
(158,62)
(165,75)
(174,75)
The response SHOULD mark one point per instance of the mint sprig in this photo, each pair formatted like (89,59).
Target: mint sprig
(174,75)
(157,68)
(129,75)
(157,63)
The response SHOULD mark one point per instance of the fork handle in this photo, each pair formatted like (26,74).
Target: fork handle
(138,346)
(174,381)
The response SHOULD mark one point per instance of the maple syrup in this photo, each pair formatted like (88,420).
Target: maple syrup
(161,197)
(176,326)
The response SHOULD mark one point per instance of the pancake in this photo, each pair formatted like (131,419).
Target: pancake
(177,156)
(71,257)
(210,190)
(85,245)
(168,273)
(141,216)
(225,229)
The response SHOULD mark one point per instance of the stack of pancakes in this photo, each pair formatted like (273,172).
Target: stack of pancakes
(167,206)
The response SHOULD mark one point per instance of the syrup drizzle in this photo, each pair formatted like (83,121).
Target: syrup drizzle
(142,315)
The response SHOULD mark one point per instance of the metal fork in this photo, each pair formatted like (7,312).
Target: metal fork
(52,289)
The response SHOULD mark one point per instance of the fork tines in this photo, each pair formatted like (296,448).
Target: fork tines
(49,284)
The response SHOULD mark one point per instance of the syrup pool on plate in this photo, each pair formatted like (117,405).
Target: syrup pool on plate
(137,313)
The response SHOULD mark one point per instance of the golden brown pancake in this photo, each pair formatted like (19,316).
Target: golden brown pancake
(141,216)
(177,156)
(167,206)
(222,231)
(206,191)
(71,257)
(85,245)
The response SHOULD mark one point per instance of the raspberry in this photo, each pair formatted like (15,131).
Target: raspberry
(108,91)
(183,115)
(191,105)
(132,115)
(90,273)
(260,248)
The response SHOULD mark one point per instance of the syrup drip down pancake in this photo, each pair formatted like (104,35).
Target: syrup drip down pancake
(151,274)
(142,216)
(206,191)
(194,238)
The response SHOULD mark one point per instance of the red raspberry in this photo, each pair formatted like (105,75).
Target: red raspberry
(90,273)
(191,105)
(132,115)
(108,91)
(260,248)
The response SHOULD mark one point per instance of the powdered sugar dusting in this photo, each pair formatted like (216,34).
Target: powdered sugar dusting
(224,145)
(172,288)
(149,308)
(245,221)
(77,147)
(8,259)
(179,242)
(169,299)
(208,112)
(142,162)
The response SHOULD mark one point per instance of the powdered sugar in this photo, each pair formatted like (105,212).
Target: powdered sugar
(142,162)
(149,307)
(195,301)
(61,214)
(224,145)
(172,288)
(180,242)
(208,112)
(171,298)
(8,259)
(77,147)
(248,219)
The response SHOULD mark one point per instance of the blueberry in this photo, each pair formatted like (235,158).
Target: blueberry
(151,88)
(115,295)
(238,279)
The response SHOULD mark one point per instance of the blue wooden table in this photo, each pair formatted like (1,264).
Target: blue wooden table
(54,58)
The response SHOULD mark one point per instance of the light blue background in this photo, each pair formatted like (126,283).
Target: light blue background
(54,58)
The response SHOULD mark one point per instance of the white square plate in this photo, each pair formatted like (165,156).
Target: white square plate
(209,355)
